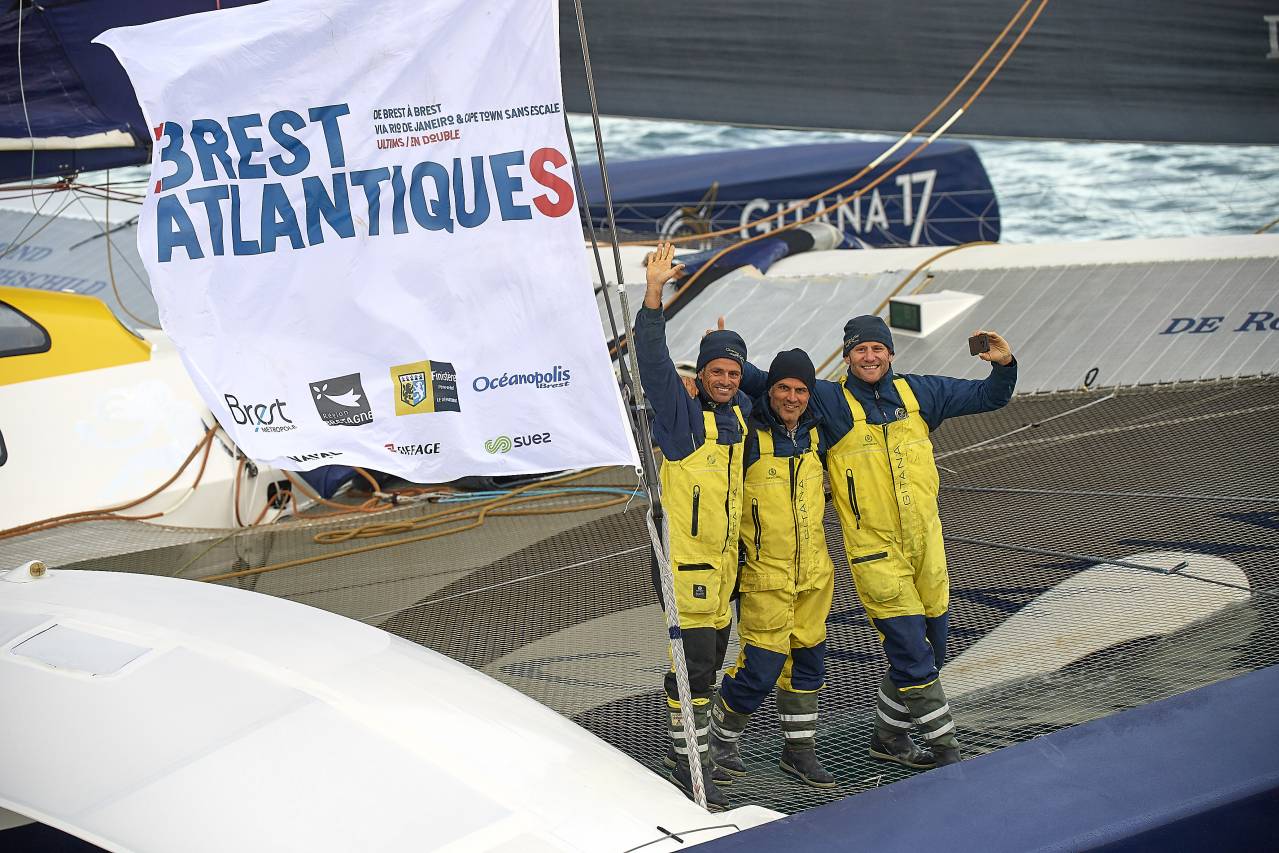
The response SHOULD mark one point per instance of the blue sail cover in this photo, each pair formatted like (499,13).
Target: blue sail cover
(73,88)
(942,197)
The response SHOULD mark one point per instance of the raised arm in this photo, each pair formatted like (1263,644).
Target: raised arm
(942,397)
(672,424)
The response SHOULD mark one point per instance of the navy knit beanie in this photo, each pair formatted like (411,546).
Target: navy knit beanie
(722,344)
(865,328)
(792,364)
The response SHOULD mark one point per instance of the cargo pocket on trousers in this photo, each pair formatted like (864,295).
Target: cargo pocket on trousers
(765,610)
(876,578)
(697,587)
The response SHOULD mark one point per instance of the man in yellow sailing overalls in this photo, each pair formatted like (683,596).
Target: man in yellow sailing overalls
(787,581)
(701,440)
(883,478)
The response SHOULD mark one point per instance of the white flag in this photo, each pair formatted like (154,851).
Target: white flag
(362,235)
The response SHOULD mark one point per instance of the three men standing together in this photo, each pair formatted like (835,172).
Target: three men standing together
(737,471)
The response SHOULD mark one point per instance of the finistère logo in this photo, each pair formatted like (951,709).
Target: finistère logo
(425,386)
(341,401)
(557,377)
(263,417)
(505,444)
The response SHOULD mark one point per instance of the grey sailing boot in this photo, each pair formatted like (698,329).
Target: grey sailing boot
(798,712)
(677,759)
(677,750)
(931,713)
(726,728)
(891,740)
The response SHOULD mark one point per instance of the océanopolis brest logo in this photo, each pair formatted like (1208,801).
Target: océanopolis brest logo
(557,377)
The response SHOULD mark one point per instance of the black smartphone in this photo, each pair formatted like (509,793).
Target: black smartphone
(978,344)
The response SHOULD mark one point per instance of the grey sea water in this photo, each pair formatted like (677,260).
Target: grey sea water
(1048,190)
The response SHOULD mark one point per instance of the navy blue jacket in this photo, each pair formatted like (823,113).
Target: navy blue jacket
(764,418)
(678,428)
(939,397)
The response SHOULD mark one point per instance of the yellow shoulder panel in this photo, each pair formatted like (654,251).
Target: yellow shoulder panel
(46,333)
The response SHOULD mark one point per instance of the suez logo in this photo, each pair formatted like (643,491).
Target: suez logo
(505,444)
(557,377)
(263,417)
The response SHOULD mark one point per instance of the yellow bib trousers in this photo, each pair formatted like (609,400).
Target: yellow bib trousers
(884,483)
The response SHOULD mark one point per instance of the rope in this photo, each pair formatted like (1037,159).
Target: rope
(941,105)
(898,166)
(465,518)
(111,513)
(892,170)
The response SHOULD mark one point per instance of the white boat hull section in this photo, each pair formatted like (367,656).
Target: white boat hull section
(154,714)
(98,438)
(1100,607)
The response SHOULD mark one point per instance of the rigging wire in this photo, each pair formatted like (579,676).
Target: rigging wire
(106,233)
(656,518)
(22,93)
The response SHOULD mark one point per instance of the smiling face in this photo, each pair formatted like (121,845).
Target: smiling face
(788,399)
(869,361)
(721,377)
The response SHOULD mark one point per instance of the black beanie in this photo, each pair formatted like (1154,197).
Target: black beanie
(792,364)
(722,344)
(865,328)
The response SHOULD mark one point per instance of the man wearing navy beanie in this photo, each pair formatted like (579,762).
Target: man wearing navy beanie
(787,581)
(879,460)
(701,439)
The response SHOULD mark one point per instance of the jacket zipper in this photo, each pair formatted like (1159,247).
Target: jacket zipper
(759,532)
(697,498)
(852,496)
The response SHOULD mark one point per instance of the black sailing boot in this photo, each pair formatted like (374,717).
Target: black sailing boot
(798,712)
(891,740)
(931,713)
(726,728)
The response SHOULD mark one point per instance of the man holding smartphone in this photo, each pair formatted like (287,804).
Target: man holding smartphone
(884,482)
